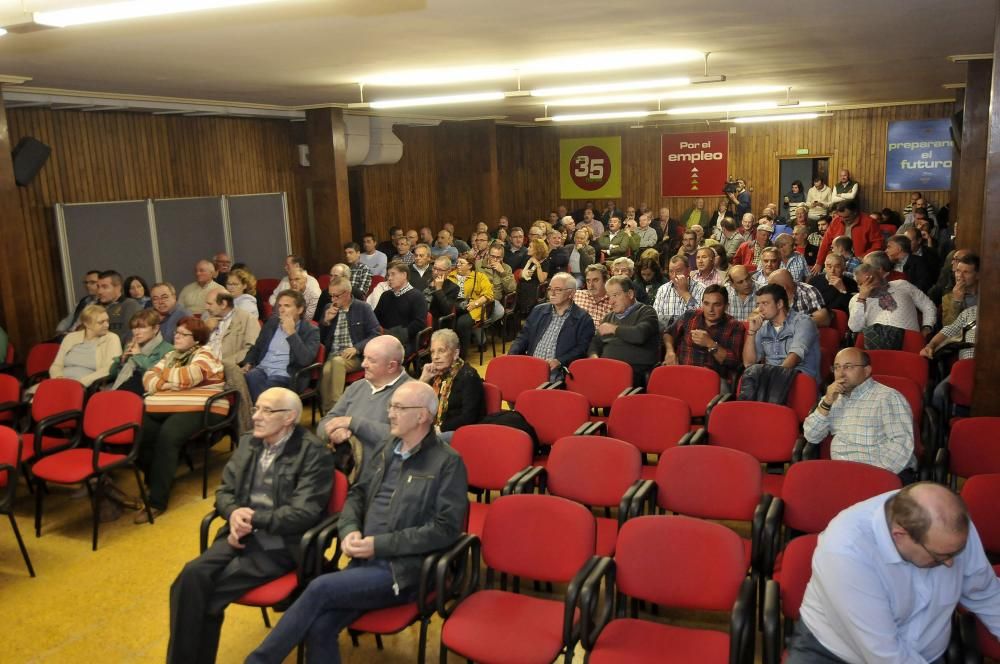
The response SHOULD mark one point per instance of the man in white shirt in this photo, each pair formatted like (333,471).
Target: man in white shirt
(293,264)
(192,296)
(895,303)
(819,199)
(376,261)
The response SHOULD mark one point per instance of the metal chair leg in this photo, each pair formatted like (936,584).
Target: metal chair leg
(267,620)
(95,506)
(39,492)
(20,544)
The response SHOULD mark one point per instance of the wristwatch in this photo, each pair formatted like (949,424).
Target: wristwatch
(713,350)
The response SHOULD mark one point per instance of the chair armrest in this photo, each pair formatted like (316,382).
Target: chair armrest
(757,530)
(634,390)
(426,584)
(206,522)
(104,435)
(643,500)
(592,429)
(314,543)
(96,386)
(552,385)
(305,370)
(511,484)
(529,478)
(771,623)
(965,648)
(446,321)
(602,573)
(716,400)
(696,437)
(211,428)
(7,492)
(18,408)
(930,424)
(743,622)
(36,377)
(771,536)
(941,462)
(625,505)
(460,565)
(799,449)
(50,423)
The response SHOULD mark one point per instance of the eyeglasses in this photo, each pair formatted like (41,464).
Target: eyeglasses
(264,410)
(397,407)
(558,290)
(940,558)
(160,298)
(846,367)
(179,333)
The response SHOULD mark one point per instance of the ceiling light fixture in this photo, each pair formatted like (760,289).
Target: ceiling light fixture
(580,117)
(600,88)
(432,101)
(708,93)
(117,11)
(2,32)
(773,118)
(612,61)
(448,76)
(748,106)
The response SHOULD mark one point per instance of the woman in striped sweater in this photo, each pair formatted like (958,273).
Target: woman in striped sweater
(177,389)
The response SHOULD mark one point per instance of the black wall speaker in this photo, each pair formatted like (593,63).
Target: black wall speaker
(29,156)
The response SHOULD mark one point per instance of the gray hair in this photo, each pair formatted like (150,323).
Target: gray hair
(288,399)
(343,268)
(447,337)
(569,281)
(624,260)
(426,396)
(879,259)
(866,268)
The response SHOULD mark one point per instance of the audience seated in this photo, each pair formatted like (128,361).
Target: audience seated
(293,265)
(791,260)
(286,344)
(630,332)
(705,262)
(648,277)
(843,246)
(145,348)
(72,321)
(742,293)
(498,272)
(961,330)
(594,299)
(780,336)
(707,337)
(192,296)
(223,264)
(242,285)
(893,303)
(476,303)
(298,281)
(625,267)
(805,299)
(921,245)
(915,269)
(137,289)
(177,389)
(402,310)
(749,253)
(119,306)
(770,260)
(444,245)
(517,251)
(164,298)
(346,326)
(458,387)
(234,331)
(864,232)
(86,355)
(403,253)
(420,271)
(678,294)
(835,287)
(619,241)
(965,291)
(361,274)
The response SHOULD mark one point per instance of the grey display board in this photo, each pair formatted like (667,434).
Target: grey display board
(187,230)
(260,239)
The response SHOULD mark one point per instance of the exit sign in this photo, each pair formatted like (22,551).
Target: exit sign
(802,151)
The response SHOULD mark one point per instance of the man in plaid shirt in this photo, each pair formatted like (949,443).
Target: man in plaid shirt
(707,337)
(802,297)
(595,299)
(742,292)
(679,295)
(361,274)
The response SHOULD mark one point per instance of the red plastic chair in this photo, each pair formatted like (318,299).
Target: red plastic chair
(839,323)
(601,380)
(324,281)
(545,538)
(56,414)
(981,494)
(112,421)
(783,600)
(651,422)
(768,432)
(973,449)
(514,374)
(697,386)
(980,639)
(265,288)
(10,456)
(595,471)
(40,359)
(376,280)
(960,383)
(913,342)
(803,395)
(310,394)
(901,363)
(494,455)
(553,414)
(829,346)
(10,400)
(675,562)
(493,398)
(911,392)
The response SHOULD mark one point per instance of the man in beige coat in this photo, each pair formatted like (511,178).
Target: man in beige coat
(234,331)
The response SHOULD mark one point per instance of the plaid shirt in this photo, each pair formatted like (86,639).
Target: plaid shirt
(546,346)
(957,330)
(740,308)
(728,333)
(873,424)
(714,277)
(597,309)
(808,299)
(796,264)
(670,306)
(361,277)
(406,258)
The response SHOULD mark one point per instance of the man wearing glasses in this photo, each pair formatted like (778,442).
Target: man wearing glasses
(274,488)
(71,321)
(345,329)
(887,575)
(870,423)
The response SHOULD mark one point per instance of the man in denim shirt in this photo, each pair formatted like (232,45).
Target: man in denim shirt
(779,336)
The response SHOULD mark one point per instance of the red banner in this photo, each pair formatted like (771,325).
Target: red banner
(694,164)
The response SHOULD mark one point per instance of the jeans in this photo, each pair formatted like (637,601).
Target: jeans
(258,381)
(329,604)
(464,325)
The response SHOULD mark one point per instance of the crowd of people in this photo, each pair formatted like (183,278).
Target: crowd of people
(739,293)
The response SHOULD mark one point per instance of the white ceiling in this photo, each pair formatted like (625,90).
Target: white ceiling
(310,52)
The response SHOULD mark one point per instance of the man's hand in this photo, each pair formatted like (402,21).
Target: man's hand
(338,423)
(815,269)
(605,329)
(670,359)
(865,288)
(356,546)
(337,436)
(702,338)
(958,292)
(833,392)
(240,523)
(755,321)
(836,282)
(246,367)
(331,313)
(349,352)
(927,352)
(682,284)
(287,324)
(234,541)
(553,364)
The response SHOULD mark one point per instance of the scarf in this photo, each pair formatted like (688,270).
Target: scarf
(442,385)
(176,358)
(885,299)
(128,368)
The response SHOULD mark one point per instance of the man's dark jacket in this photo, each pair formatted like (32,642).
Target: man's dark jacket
(574,337)
(302,347)
(361,324)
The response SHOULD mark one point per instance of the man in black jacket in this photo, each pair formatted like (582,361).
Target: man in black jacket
(274,488)
(402,310)
(286,344)
(409,501)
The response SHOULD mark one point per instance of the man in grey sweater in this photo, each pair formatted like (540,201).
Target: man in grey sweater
(361,415)
(629,333)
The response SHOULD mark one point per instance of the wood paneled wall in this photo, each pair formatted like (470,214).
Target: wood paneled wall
(128,156)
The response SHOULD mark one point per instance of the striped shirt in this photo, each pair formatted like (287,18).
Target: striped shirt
(714,277)
(670,306)
(740,308)
(186,388)
(597,309)
(796,264)
(873,425)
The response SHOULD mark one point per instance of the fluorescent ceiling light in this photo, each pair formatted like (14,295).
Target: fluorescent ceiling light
(439,76)
(748,106)
(2,32)
(724,91)
(438,101)
(570,90)
(610,61)
(708,93)
(773,118)
(623,115)
(117,11)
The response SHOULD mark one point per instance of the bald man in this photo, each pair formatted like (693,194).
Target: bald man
(192,296)
(870,423)
(886,577)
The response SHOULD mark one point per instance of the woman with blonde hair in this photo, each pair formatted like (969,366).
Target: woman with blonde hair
(242,285)
(86,355)
(534,273)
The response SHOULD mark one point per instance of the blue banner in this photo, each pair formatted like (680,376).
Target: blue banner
(918,155)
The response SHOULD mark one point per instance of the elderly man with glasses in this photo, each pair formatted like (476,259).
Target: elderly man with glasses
(346,328)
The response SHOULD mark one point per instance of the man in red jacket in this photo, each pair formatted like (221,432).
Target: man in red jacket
(862,229)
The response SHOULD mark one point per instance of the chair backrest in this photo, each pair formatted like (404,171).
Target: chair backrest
(913,342)
(265,287)
(10,391)
(960,382)
(839,322)
(40,358)
(677,561)
(553,413)
(514,374)
(10,454)
(593,470)
(651,422)
(11,355)
(547,538)
(57,395)
(492,453)
(803,395)
(765,431)
(981,494)
(323,280)
(338,493)
(601,380)
(974,446)
(708,482)
(816,491)
(900,363)
(107,410)
(910,391)
(376,280)
(796,570)
(695,385)
(493,398)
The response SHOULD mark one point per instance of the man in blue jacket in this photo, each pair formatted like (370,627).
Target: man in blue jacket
(286,344)
(346,327)
(558,332)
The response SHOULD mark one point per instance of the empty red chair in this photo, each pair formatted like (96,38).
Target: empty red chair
(913,342)
(768,432)
(40,358)
(514,374)
(10,400)
(376,280)
(675,562)
(960,382)
(493,398)
(911,392)
(698,386)
(10,459)
(839,322)
(803,395)
(973,449)
(323,280)
(981,494)
(901,363)
(601,380)
(595,471)
(651,422)
(56,414)
(553,414)
(265,287)
(310,394)
(112,421)
(783,600)
(829,346)
(545,538)
(493,455)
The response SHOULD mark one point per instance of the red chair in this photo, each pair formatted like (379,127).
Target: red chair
(594,471)
(978,640)
(698,386)
(675,562)
(112,421)
(493,398)
(494,457)
(553,414)
(768,432)
(981,494)
(56,414)
(911,392)
(601,380)
(960,382)
(280,590)
(545,538)
(783,600)
(901,363)
(310,394)
(40,359)
(803,395)
(376,280)
(10,400)
(514,374)
(265,288)
(651,422)
(973,449)
(829,346)
(422,347)
(9,365)
(913,342)
(839,322)
(324,281)
(10,457)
